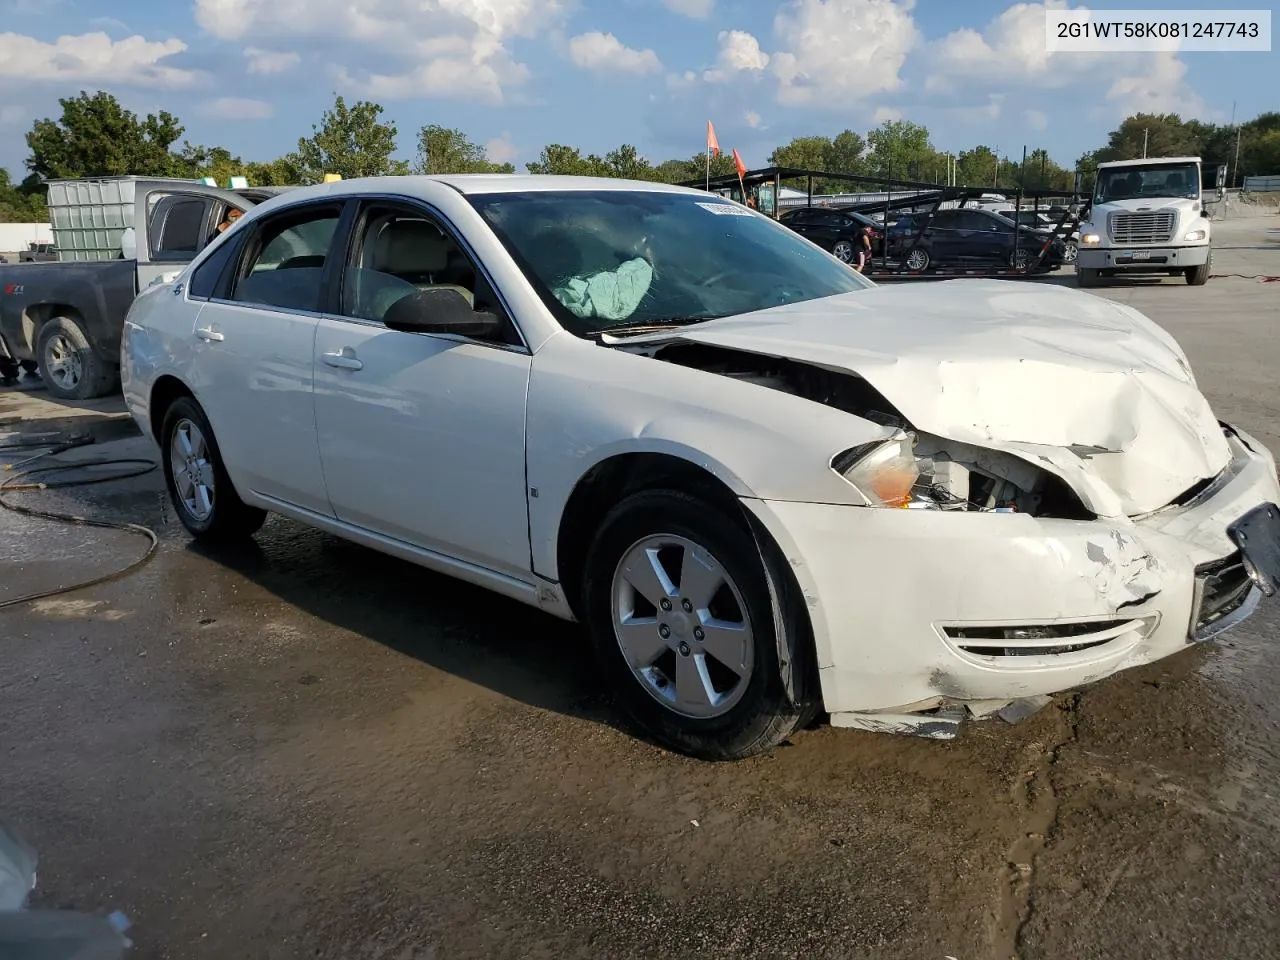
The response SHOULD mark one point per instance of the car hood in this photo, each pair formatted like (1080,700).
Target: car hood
(1086,388)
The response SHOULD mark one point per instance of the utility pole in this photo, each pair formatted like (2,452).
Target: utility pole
(1235,167)
(1145,131)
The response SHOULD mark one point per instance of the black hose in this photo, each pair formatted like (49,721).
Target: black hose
(26,480)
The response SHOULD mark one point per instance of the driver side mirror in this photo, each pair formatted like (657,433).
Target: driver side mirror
(441,310)
(1079,187)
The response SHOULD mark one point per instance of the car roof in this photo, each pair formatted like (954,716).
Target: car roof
(482,183)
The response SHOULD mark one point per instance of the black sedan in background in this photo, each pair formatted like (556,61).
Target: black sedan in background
(834,229)
(975,238)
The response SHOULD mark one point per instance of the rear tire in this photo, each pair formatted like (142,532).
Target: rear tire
(1199,276)
(202,493)
(68,364)
(684,692)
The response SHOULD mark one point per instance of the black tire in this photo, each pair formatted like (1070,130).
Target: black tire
(1070,251)
(922,258)
(763,717)
(846,248)
(1199,276)
(1086,277)
(70,368)
(230,518)
(1021,259)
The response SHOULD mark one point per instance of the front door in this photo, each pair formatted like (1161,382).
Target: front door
(422,436)
(253,368)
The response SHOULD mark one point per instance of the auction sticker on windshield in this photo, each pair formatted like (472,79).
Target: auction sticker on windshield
(726,209)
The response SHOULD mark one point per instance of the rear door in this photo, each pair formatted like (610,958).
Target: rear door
(252,363)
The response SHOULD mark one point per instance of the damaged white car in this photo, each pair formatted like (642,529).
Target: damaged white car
(766,486)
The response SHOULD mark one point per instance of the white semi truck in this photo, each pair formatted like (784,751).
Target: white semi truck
(1147,216)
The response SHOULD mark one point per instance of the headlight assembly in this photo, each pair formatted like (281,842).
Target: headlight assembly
(884,471)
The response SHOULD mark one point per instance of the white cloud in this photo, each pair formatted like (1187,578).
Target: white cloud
(12,114)
(739,52)
(264,63)
(697,9)
(606,53)
(501,149)
(109,23)
(238,108)
(1037,119)
(1009,52)
(466,54)
(92,58)
(885,114)
(984,113)
(835,51)
(753,119)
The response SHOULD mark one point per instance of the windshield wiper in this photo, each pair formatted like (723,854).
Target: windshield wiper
(651,326)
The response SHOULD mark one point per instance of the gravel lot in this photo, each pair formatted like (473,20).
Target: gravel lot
(304,749)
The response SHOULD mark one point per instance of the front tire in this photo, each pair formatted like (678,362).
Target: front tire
(843,251)
(1199,276)
(1070,251)
(1087,277)
(202,493)
(681,607)
(70,368)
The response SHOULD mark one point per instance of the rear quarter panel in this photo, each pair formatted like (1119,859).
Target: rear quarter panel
(157,342)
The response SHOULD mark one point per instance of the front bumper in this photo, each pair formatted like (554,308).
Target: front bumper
(1154,259)
(909,607)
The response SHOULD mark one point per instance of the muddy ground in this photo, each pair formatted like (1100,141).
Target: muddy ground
(304,749)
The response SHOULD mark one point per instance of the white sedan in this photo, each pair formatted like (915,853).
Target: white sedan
(765,485)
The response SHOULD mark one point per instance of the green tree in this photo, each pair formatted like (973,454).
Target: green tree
(351,141)
(802,153)
(445,150)
(21,203)
(556,158)
(900,150)
(1164,134)
(625,162)
(694,169)
(846,153)
(96,136)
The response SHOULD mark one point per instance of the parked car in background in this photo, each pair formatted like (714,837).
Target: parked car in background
(970,237)
(765,484)
(39,253)
(1046,223)
(835,230)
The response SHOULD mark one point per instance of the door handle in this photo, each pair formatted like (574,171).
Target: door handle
(207,334)
(344,360)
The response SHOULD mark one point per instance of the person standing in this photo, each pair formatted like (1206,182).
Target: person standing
(864,247)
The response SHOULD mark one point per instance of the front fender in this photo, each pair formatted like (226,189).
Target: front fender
(588,404)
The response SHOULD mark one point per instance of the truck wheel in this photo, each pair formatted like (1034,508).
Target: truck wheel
(70,368)
(1199,276)
(1086,277)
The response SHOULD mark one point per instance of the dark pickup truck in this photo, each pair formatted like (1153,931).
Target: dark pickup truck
(66,318)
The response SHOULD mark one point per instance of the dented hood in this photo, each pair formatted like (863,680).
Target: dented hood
(1087,388)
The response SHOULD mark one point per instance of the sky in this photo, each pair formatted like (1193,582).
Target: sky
(255,75)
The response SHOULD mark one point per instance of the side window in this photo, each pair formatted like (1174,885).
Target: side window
(399,251)
(178,227)
(204,279)
(284,260)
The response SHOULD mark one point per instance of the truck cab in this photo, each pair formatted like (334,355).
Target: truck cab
(1147,216)
(114,236)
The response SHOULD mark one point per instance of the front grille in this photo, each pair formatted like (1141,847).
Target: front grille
(1043,640)
(1224,587)
(1154,227)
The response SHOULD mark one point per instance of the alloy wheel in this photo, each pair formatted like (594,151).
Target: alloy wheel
(682,625)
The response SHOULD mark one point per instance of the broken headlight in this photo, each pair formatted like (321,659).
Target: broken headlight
(885,472)
(891,473)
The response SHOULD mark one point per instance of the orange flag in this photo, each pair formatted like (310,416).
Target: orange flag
(737,162)
(713,145)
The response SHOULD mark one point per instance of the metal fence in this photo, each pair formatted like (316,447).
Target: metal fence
(1262,184)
